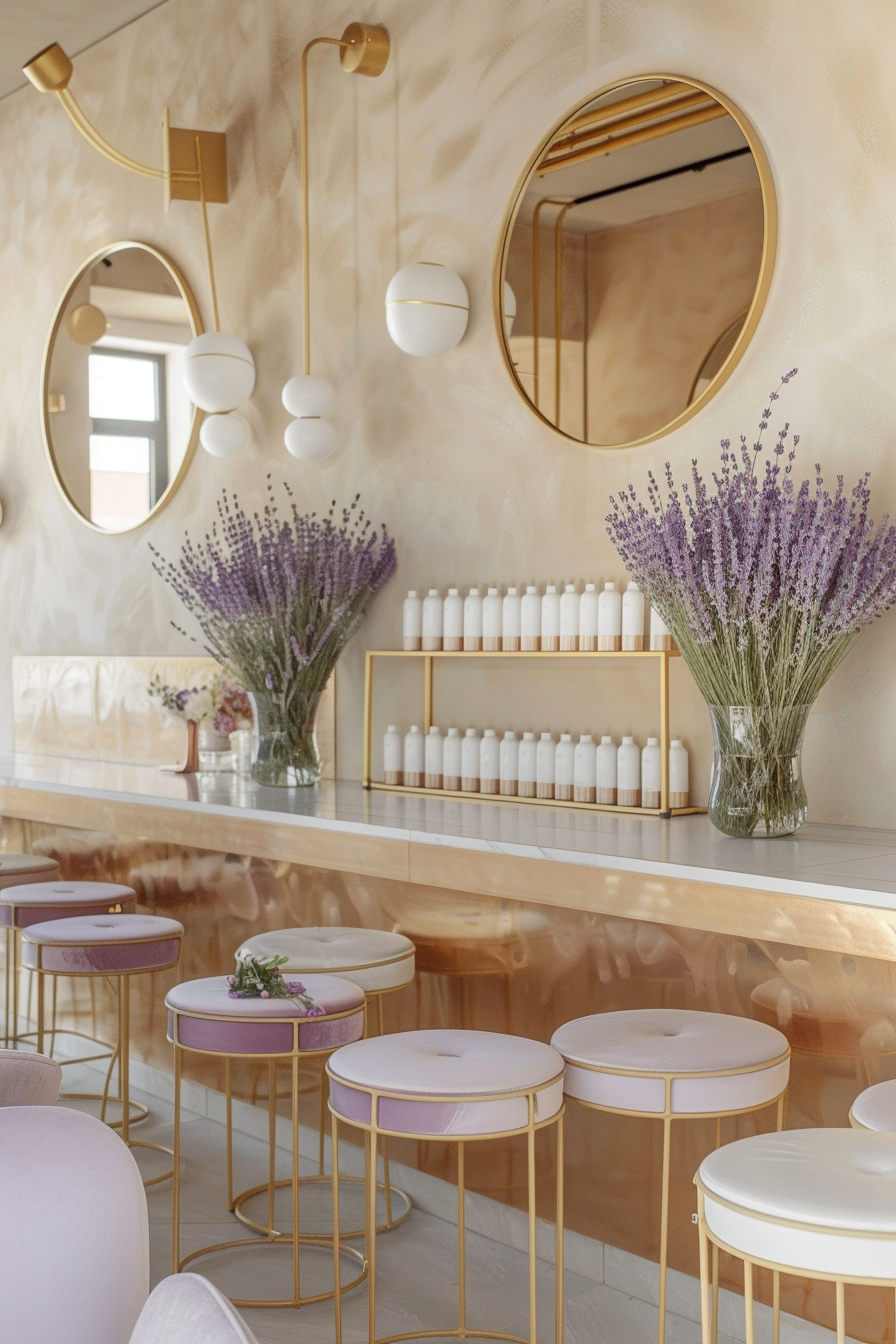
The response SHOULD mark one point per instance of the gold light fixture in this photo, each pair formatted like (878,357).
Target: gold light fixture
(363,50)
(219,371)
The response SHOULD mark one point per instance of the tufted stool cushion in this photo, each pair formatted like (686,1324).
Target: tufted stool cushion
(19,869)
(875,1108)
(449,1082)
(837,1185)
(102,944)
(27,1079)
(607,1055)
(22,906)
(202,1016)
(370,958)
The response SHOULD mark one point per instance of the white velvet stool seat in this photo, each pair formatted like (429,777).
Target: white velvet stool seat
(19,869)
(674,1064)
(208,1017)
(27,1079)
(875,1108)
(97,946)
(456,1085)
(819,1203)
(371,958)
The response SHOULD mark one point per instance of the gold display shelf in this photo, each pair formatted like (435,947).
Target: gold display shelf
(429,658)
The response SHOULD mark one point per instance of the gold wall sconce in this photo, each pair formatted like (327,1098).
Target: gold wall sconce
(363,50)
(219,370)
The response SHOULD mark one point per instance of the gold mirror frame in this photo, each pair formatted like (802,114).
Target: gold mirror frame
(763,283)
(45,416)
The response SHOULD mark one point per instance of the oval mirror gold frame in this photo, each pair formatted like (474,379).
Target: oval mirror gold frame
(504,319)
(48,409)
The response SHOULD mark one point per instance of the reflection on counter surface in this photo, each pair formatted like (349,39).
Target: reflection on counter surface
(526,969)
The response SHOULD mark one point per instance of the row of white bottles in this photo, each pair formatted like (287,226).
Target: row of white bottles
(582,772)
(531,622)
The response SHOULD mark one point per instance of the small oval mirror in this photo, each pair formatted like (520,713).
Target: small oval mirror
(118,426)
(636,259)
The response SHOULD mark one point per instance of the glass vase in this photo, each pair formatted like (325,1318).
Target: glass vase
(757,782)
(286,753)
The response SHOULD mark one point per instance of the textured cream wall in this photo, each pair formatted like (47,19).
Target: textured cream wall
(421,165)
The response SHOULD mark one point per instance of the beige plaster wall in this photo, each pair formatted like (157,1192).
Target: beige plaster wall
(421,165)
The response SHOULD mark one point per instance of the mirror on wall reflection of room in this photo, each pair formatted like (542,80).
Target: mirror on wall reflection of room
(119,428)
(637,254)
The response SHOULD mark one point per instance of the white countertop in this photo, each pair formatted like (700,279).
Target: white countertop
(830,863)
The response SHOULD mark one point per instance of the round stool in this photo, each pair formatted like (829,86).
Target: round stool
(100,946)
(204,1019)
(36,901)
(817,1203)
(18,870)
(27,1079)
(457,1086)
(875,1108)
(380,963)
(674,1064)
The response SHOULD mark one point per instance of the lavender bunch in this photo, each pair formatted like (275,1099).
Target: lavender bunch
(278,595)
(765,582)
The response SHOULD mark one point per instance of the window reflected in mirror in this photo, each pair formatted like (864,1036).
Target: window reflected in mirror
(638,256)
(119,426)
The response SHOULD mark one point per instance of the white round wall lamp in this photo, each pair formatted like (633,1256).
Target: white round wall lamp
(427,308)
(225,435)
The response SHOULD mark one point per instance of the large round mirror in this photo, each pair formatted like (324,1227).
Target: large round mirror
(118,426)
(636,259)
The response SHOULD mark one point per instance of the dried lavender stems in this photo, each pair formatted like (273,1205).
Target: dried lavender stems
(764,583)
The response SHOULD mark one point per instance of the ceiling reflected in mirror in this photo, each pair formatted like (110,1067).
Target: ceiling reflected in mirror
(638,252)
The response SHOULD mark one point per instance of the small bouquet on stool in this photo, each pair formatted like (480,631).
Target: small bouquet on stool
(261,978)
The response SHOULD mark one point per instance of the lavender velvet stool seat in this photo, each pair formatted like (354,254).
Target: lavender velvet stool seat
(99,946)
(458,1086)
(19,870)
(674,1064)
(875,1108)
(39,895)
(378,962)
(27,1079)
(205,1019)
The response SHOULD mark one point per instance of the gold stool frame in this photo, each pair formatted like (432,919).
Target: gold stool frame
(270,1234)
(236,1202)
(707,1238)
(667,1115)
(121,1051)
(374,1132)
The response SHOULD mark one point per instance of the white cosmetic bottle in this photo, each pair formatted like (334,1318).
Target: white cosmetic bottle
(469,761)
(451,760)
(510,622)
(433,759)
(550,620)
(564,768)
(492,615)
(609,619)
(473,621)
(393,756)
(530,621)
(414,758)
(432,620)
(633,619)
(412,622)
(585,771)
(509,764)
(453,622)
(545,757)
(628,774)
(527,767)
(588,619)
(660,635)
(651,773)
(679,784)
(570,604)
(607,771)
(489,762)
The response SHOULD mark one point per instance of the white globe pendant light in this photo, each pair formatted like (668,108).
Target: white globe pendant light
(219,372)
(310,437)
(427,307)
(307,395)
(310,440)
(224,435)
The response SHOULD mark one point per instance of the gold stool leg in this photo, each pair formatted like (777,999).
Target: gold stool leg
(841,1313)
(705,1324)
(124,1032)
(337,1276)
(664,1225)
(295,1182)
(40,1012)
(370,1234)
(461,1241)
(6,986)
(558,1278)
(272,1139)
(15,987)
(715,1258)
(228,1125)
(387,1181)
(175,1184)
(533,1255)
(776,1306)
(749,1334)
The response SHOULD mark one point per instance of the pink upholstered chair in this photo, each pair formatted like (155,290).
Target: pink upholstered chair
(27,1079)
(187,1309)
(74,1236)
